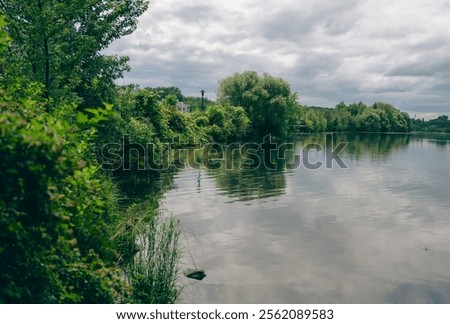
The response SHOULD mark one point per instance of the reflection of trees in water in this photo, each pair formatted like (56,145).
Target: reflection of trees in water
(244,184)
(232,169)
(138,186)
(360,145)
(440,140)
(239,178)
(380,146)
(377,146)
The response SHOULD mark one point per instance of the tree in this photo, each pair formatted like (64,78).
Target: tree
(55,209)
(148,106)
(58,44)
(315,121)
(392,120)
(356,108)
(225,122)
(240,121)
(369,121)
(268,101)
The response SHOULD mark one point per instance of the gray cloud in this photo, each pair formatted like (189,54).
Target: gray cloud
(430,64)
(294,22)
(373,50)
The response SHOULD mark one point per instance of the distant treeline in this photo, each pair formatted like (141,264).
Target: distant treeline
(251,105)
(380,117)
(438,125)
(266,105)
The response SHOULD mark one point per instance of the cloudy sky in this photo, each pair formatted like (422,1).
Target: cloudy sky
(396,51)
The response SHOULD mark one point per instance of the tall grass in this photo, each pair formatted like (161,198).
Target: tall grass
(152,255)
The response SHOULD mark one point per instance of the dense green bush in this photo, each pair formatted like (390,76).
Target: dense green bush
(62,225)
(55,212)
(225,122)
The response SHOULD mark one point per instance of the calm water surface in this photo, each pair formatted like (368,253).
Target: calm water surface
(377,232)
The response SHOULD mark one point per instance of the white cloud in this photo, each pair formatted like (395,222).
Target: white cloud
(390,50)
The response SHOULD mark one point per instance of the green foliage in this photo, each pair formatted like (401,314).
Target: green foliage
(148,106)
(268,101)
(380,117)
(201,120)
(226,122)
(368,121)
(216,116)
(54,211)
(340,120)
(239,122)
(164,92)
(196,103)
(154,270)
(438,125)
(314,120)
(94,116)
(58,44)
(65,237)
(141,119)
(4,38)
(59,211)
(356,108)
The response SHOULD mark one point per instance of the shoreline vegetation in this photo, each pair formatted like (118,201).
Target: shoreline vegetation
(73,232)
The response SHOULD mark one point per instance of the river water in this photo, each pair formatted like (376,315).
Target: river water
(377,231)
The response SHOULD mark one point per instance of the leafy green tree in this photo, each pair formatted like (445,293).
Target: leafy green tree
(226,122)
(219,128)
(315,120)
(392,120)
(217,116)
(369,121)
(268,101)
(341,106)
(356,108)
(56,212)
(4,42)
(149,106)
(59,44)
(240,121)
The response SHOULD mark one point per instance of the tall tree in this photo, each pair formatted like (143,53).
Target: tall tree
(58,43)
(267,100)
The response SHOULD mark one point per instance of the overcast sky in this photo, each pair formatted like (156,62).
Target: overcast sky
(328,50)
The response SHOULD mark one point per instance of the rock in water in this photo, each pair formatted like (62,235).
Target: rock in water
(197,274)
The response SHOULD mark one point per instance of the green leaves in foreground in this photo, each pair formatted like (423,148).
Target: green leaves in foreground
(59,213)
(54,246)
